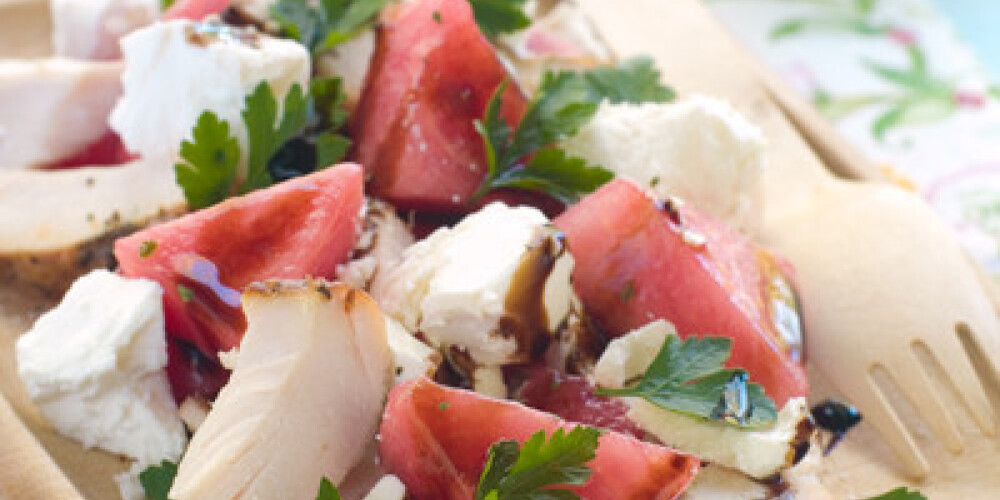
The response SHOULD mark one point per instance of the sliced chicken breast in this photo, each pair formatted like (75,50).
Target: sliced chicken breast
(303,402)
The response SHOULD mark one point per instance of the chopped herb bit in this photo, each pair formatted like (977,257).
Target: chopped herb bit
(166,4)
(324,26)
(535,470)
(901,493)
(496,17)
(436,16)
(187,294)
(327,491)
(302,140)
(688,377)
(146,248)
(627,292)
(443,405)
(156,480)
(565,102)
(655,181)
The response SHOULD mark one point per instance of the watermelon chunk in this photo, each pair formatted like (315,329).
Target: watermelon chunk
(637,261)
(300,228)
(572,398)
(436,439)
(432,75)
(194,10)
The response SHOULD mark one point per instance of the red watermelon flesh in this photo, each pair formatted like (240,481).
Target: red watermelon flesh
(436,439)
(300,228)
(638,260)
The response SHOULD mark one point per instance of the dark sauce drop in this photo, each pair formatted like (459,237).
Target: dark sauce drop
(836,418)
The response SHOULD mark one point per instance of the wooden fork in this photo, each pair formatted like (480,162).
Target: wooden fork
(915,301)
(883,283)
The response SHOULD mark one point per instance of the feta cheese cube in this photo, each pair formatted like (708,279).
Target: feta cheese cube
(176,70)
(413,358)
(488,286)
(94,366)
(699,149)
(758,453)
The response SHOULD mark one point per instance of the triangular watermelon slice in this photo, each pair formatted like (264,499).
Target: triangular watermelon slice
(300,228)
(436,439)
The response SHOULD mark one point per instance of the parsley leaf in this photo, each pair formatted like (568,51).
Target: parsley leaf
(327,491)
(303,140)
(263,139)
(636,80)
(687,376)
(532,471)
(565,102)
(901,493)
(496,17)
(156,480)
(209,176)
(324,26)
(553,172)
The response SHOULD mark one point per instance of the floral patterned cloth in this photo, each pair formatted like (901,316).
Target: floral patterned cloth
(898,81)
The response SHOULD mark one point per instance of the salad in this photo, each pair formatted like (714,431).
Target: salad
(413,264)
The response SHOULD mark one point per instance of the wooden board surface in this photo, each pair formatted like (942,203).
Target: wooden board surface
(695,56)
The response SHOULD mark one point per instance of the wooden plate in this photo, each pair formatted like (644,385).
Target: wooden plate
(695,55)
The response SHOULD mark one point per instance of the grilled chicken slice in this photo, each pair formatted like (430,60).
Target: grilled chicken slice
(303,402)
(56,226)
(51,109)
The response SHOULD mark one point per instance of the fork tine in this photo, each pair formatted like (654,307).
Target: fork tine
(974,381)
(913,382)
(879,413)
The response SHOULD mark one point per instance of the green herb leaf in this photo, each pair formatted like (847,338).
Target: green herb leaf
(146,248)
(264,138)
(688,377)
(209,174)
(166,4)
(156,480)
(303,139)
(535,470)
(327,491)
(324,26)
(901,493)
(552,171)
(636,81)
(565,102)
(496,17)
(186,293)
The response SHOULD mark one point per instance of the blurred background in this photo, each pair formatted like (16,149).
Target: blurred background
(913,84)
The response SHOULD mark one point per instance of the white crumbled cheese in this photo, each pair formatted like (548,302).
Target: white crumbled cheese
(759,453)
(94,366)
(488,381)
(383,239)
(453,285)
(228,359)
(176,70)
(387,488)
(90,29)
(413,357)
(699,149)
(193,412)
(349,61)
